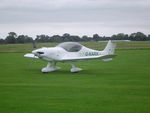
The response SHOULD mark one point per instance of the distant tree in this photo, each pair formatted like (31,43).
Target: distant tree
(106,38)
(96,37)
(74,38)
(2,41)
(85,38)
(43,38)
(113,37)
(148,38)
(20,39)
(56,38)
(120,36)
(52,39)
(133,36)
(23,39)
(28,39)
(66,37)
(126,37)
(37,38)
(11,38)
(13,34)
(138,36)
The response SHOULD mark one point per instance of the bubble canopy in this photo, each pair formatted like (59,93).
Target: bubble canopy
(70,46)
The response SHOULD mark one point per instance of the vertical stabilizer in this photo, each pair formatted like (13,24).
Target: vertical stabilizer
(110,47)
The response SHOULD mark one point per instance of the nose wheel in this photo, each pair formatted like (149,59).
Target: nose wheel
(50,68)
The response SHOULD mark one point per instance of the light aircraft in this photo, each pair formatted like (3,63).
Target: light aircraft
(69,52)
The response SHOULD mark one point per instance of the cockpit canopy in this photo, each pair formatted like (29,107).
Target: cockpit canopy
(70,46)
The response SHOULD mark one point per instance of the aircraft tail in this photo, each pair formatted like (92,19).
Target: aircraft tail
(110,47)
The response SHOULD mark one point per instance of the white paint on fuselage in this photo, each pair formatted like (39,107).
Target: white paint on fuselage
(50,53)
(57,53)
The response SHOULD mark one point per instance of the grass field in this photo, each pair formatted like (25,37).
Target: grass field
(118,86)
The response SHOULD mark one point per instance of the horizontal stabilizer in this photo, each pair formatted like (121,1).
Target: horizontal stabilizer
(106,60)
(29,55)
(108,56)
(116,41)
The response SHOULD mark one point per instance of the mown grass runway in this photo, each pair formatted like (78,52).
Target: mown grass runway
(118,86)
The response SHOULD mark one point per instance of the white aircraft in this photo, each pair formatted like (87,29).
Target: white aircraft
(71,51)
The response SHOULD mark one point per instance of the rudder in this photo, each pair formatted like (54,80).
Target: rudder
(110,47)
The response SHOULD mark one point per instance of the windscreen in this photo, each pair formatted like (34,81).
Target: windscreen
(71,46)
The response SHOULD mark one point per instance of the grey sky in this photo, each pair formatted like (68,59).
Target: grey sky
(77,17)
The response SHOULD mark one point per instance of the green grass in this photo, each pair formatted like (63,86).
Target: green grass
(94,45)
(118,86)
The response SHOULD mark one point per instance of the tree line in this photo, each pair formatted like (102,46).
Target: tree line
(13,38)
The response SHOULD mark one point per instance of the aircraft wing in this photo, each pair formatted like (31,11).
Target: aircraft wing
(29,55)
(88,57)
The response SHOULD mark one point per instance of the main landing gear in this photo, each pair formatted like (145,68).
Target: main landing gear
(50,68)
(74,69)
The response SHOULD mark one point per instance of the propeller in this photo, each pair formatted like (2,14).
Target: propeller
(34,47)
(33,43)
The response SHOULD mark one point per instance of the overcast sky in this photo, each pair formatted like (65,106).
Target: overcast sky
(77,17)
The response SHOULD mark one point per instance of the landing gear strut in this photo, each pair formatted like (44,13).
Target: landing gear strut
(50,68)
(74,69)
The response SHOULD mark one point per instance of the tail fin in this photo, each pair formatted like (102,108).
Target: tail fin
(110,47)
